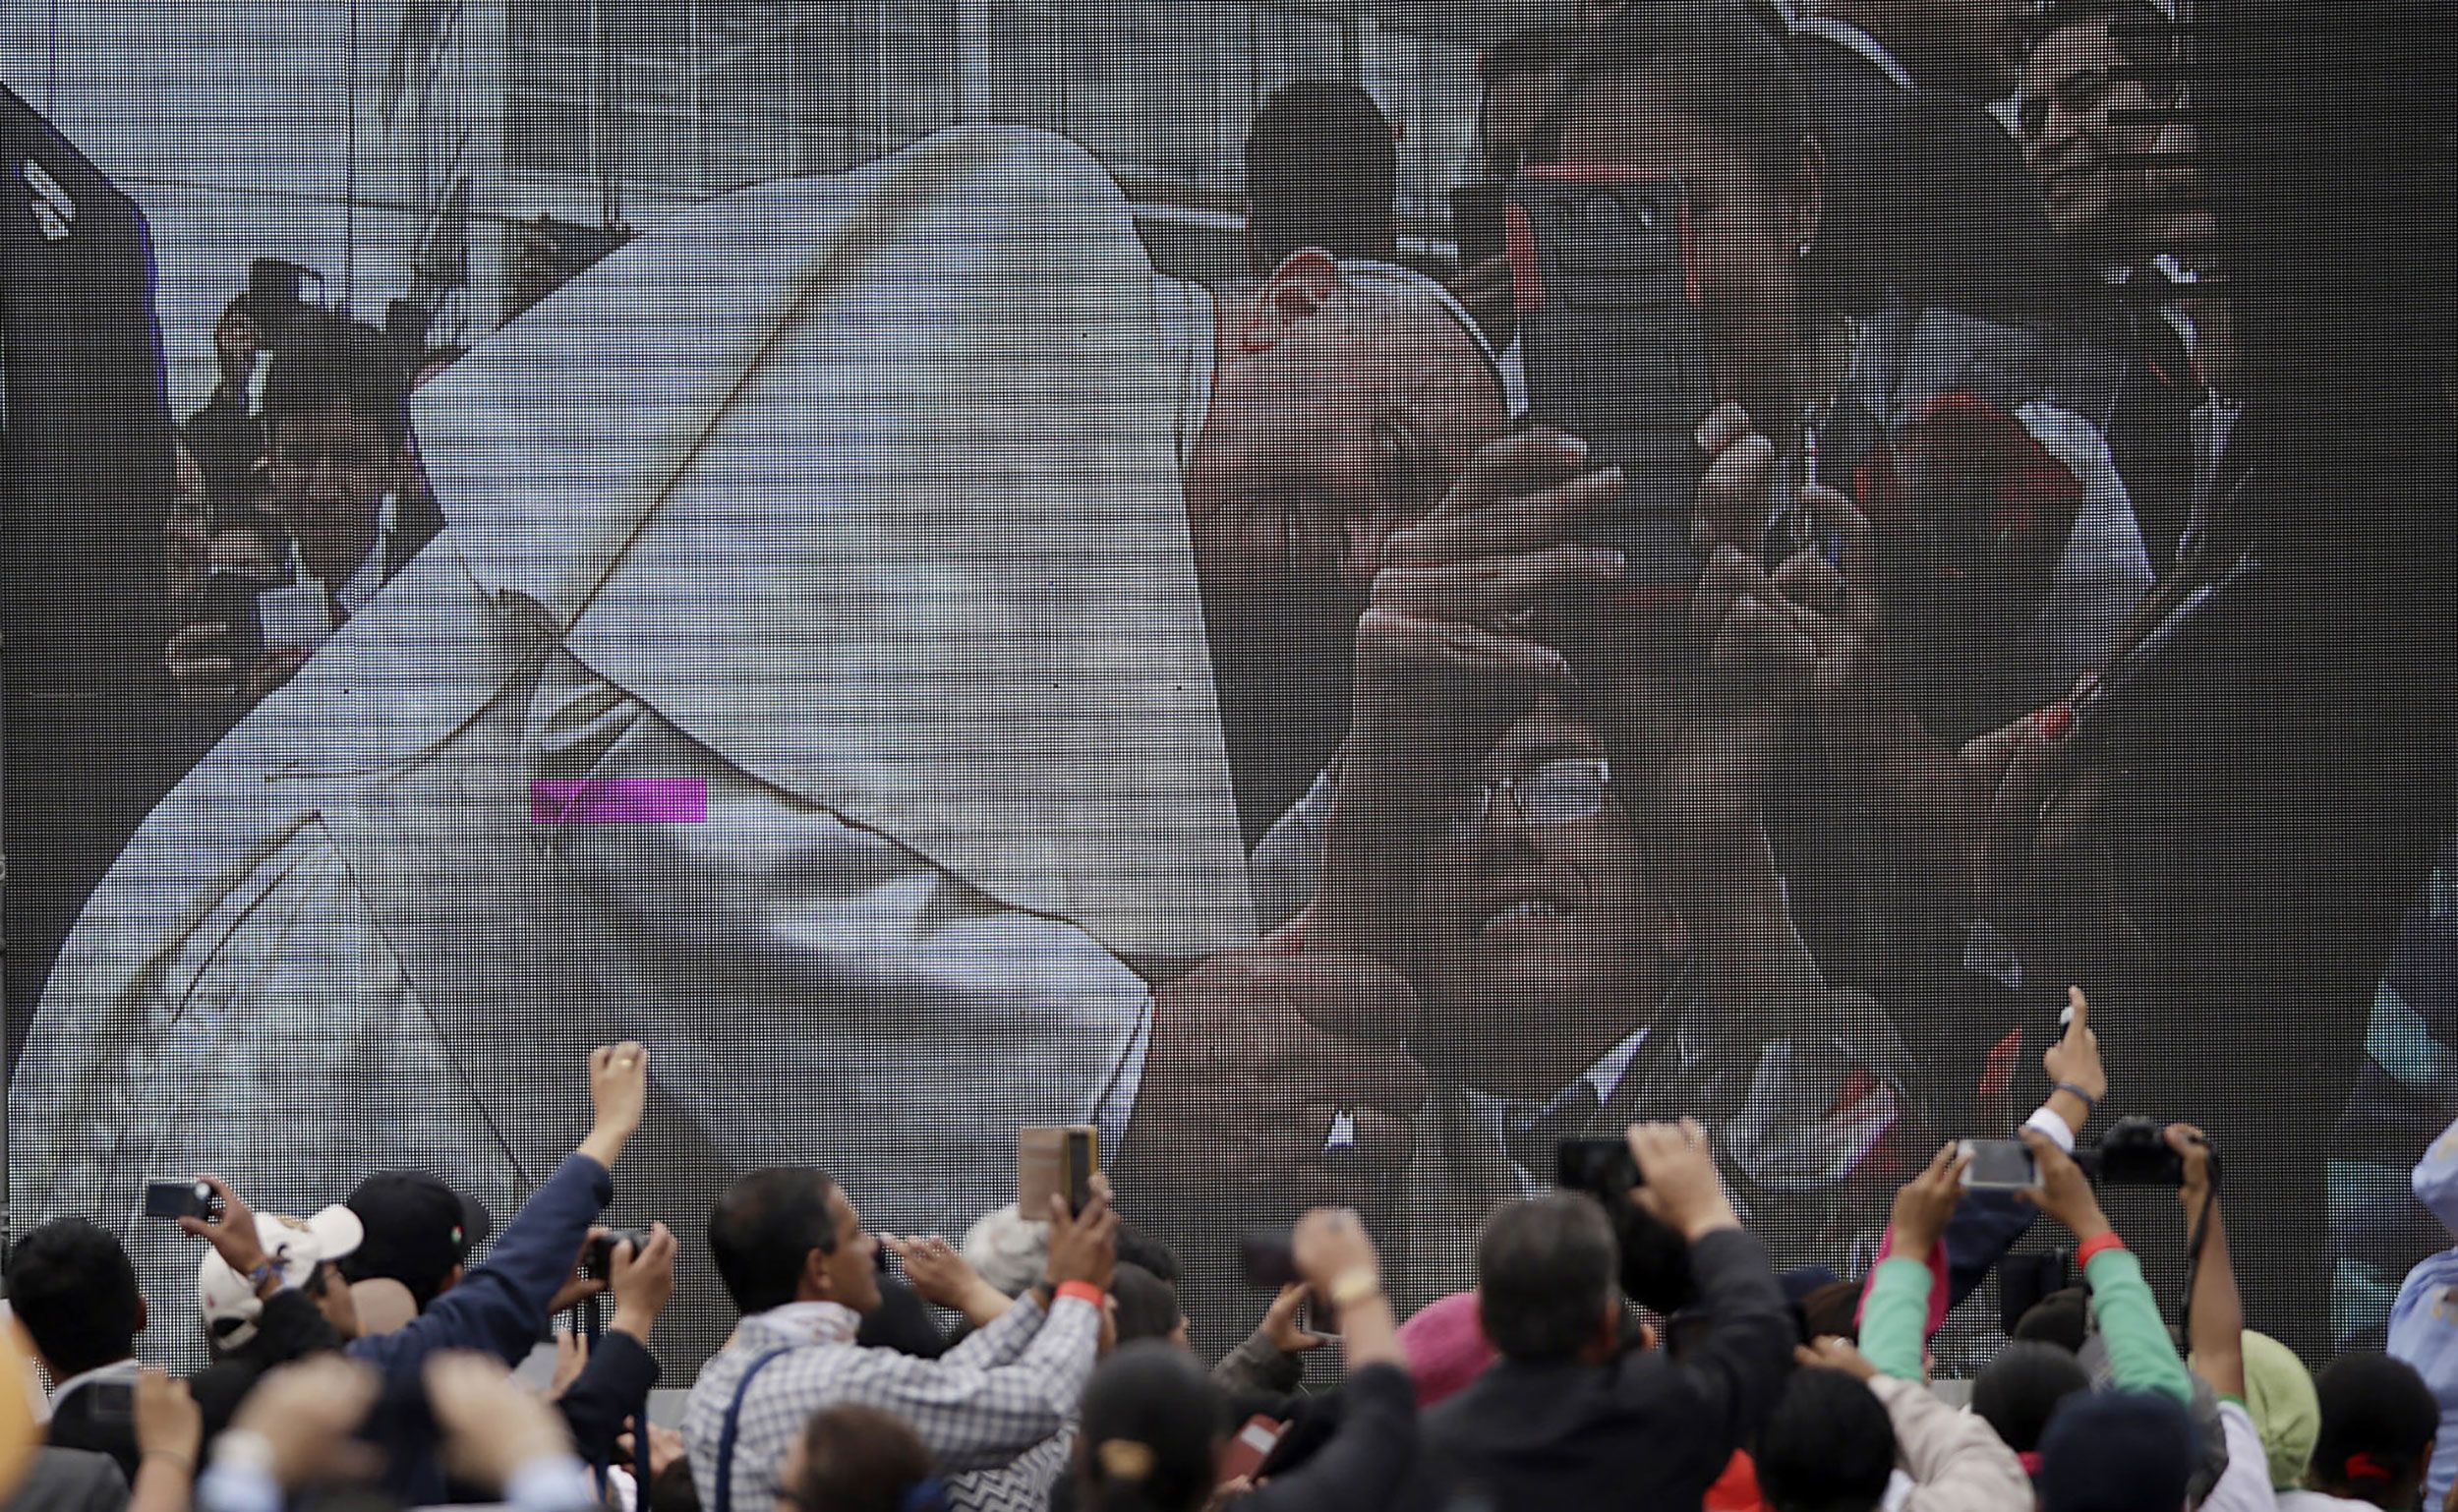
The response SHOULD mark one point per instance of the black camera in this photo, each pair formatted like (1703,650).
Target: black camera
(2134,1152)
(1602,1168)
(596,1258)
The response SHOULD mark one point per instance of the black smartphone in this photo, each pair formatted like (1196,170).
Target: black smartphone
(180,1200)
(229,598)
(1999,1165)
(1604,265)
(1477,221)
(1267,1261)
(1602,1168)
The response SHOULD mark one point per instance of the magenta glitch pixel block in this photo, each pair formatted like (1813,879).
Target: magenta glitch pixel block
(619,800)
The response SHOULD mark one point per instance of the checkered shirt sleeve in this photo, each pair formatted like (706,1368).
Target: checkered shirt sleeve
(977,1408)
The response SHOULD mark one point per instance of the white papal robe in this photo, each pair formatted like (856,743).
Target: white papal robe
(856,502)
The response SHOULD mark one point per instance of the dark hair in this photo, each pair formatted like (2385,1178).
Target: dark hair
(2377,1419)
(858,1459)
(2062,1319)
(1136,1248)
(1321,167)
(1718,64)
(762,1230)
(1545,1275)
(1148,1306)
(1145,1433)
(1532,50)
(1829,1447)
(2114,1451)
(1830,1311)
(72,1286)
(2128,14)
(321,361)
(2019,1390)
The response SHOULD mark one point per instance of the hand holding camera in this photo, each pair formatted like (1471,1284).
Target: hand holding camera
(1925,1205)
(2065,1192)
(1683,1188)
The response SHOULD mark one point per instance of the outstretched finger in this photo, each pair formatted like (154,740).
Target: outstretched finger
(2078,1016)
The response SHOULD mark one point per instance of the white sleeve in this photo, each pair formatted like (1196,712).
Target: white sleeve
(2245,1486)
(2435,1179)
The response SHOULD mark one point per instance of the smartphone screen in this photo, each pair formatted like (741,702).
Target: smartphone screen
(1999,1165)
(178,1199)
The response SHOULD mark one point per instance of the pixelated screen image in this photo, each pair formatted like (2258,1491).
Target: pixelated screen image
(1348,594)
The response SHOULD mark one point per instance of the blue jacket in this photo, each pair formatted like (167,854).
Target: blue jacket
(500,1309)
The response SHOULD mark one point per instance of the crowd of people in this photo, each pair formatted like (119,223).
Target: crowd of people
(917,696)
(1627,1342)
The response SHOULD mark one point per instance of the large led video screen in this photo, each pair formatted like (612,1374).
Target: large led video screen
(1350,596)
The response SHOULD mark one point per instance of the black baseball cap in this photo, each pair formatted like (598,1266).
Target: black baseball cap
(417,1230)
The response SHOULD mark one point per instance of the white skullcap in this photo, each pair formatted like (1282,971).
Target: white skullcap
(1391,278)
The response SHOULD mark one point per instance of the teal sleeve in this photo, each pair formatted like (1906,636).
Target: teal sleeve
(1895,1318)
(2140,1354)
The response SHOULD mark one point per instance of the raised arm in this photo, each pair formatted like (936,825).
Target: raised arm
(501,1307)
(1895,1318)
(2216,1333)
(2140,1354)
(1736,1369)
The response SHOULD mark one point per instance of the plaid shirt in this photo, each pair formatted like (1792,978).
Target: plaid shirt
(986,1401)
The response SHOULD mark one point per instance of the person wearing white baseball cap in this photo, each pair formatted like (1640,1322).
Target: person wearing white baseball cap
(268,1292)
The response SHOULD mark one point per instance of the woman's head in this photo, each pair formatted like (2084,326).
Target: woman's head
(1146,1435)
(1703,92)
(853,1459)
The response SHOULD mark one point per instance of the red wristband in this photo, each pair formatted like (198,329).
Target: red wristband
(2097,1245)
(1082,1291)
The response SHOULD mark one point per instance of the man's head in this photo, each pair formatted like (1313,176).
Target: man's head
(418,1232)
(1970,48)
(237,338)
(789,1235)
(2083,122)
(1546,1279)
(2378,1420)
(336,406)
(72,1286)
(2020,1390)
(1008,1248)
(854,1459)
(1145,1306)
(1345,401)
(1321,167)
(1829,1447)
(2114,1451)
(1523,76)
(1536,910)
